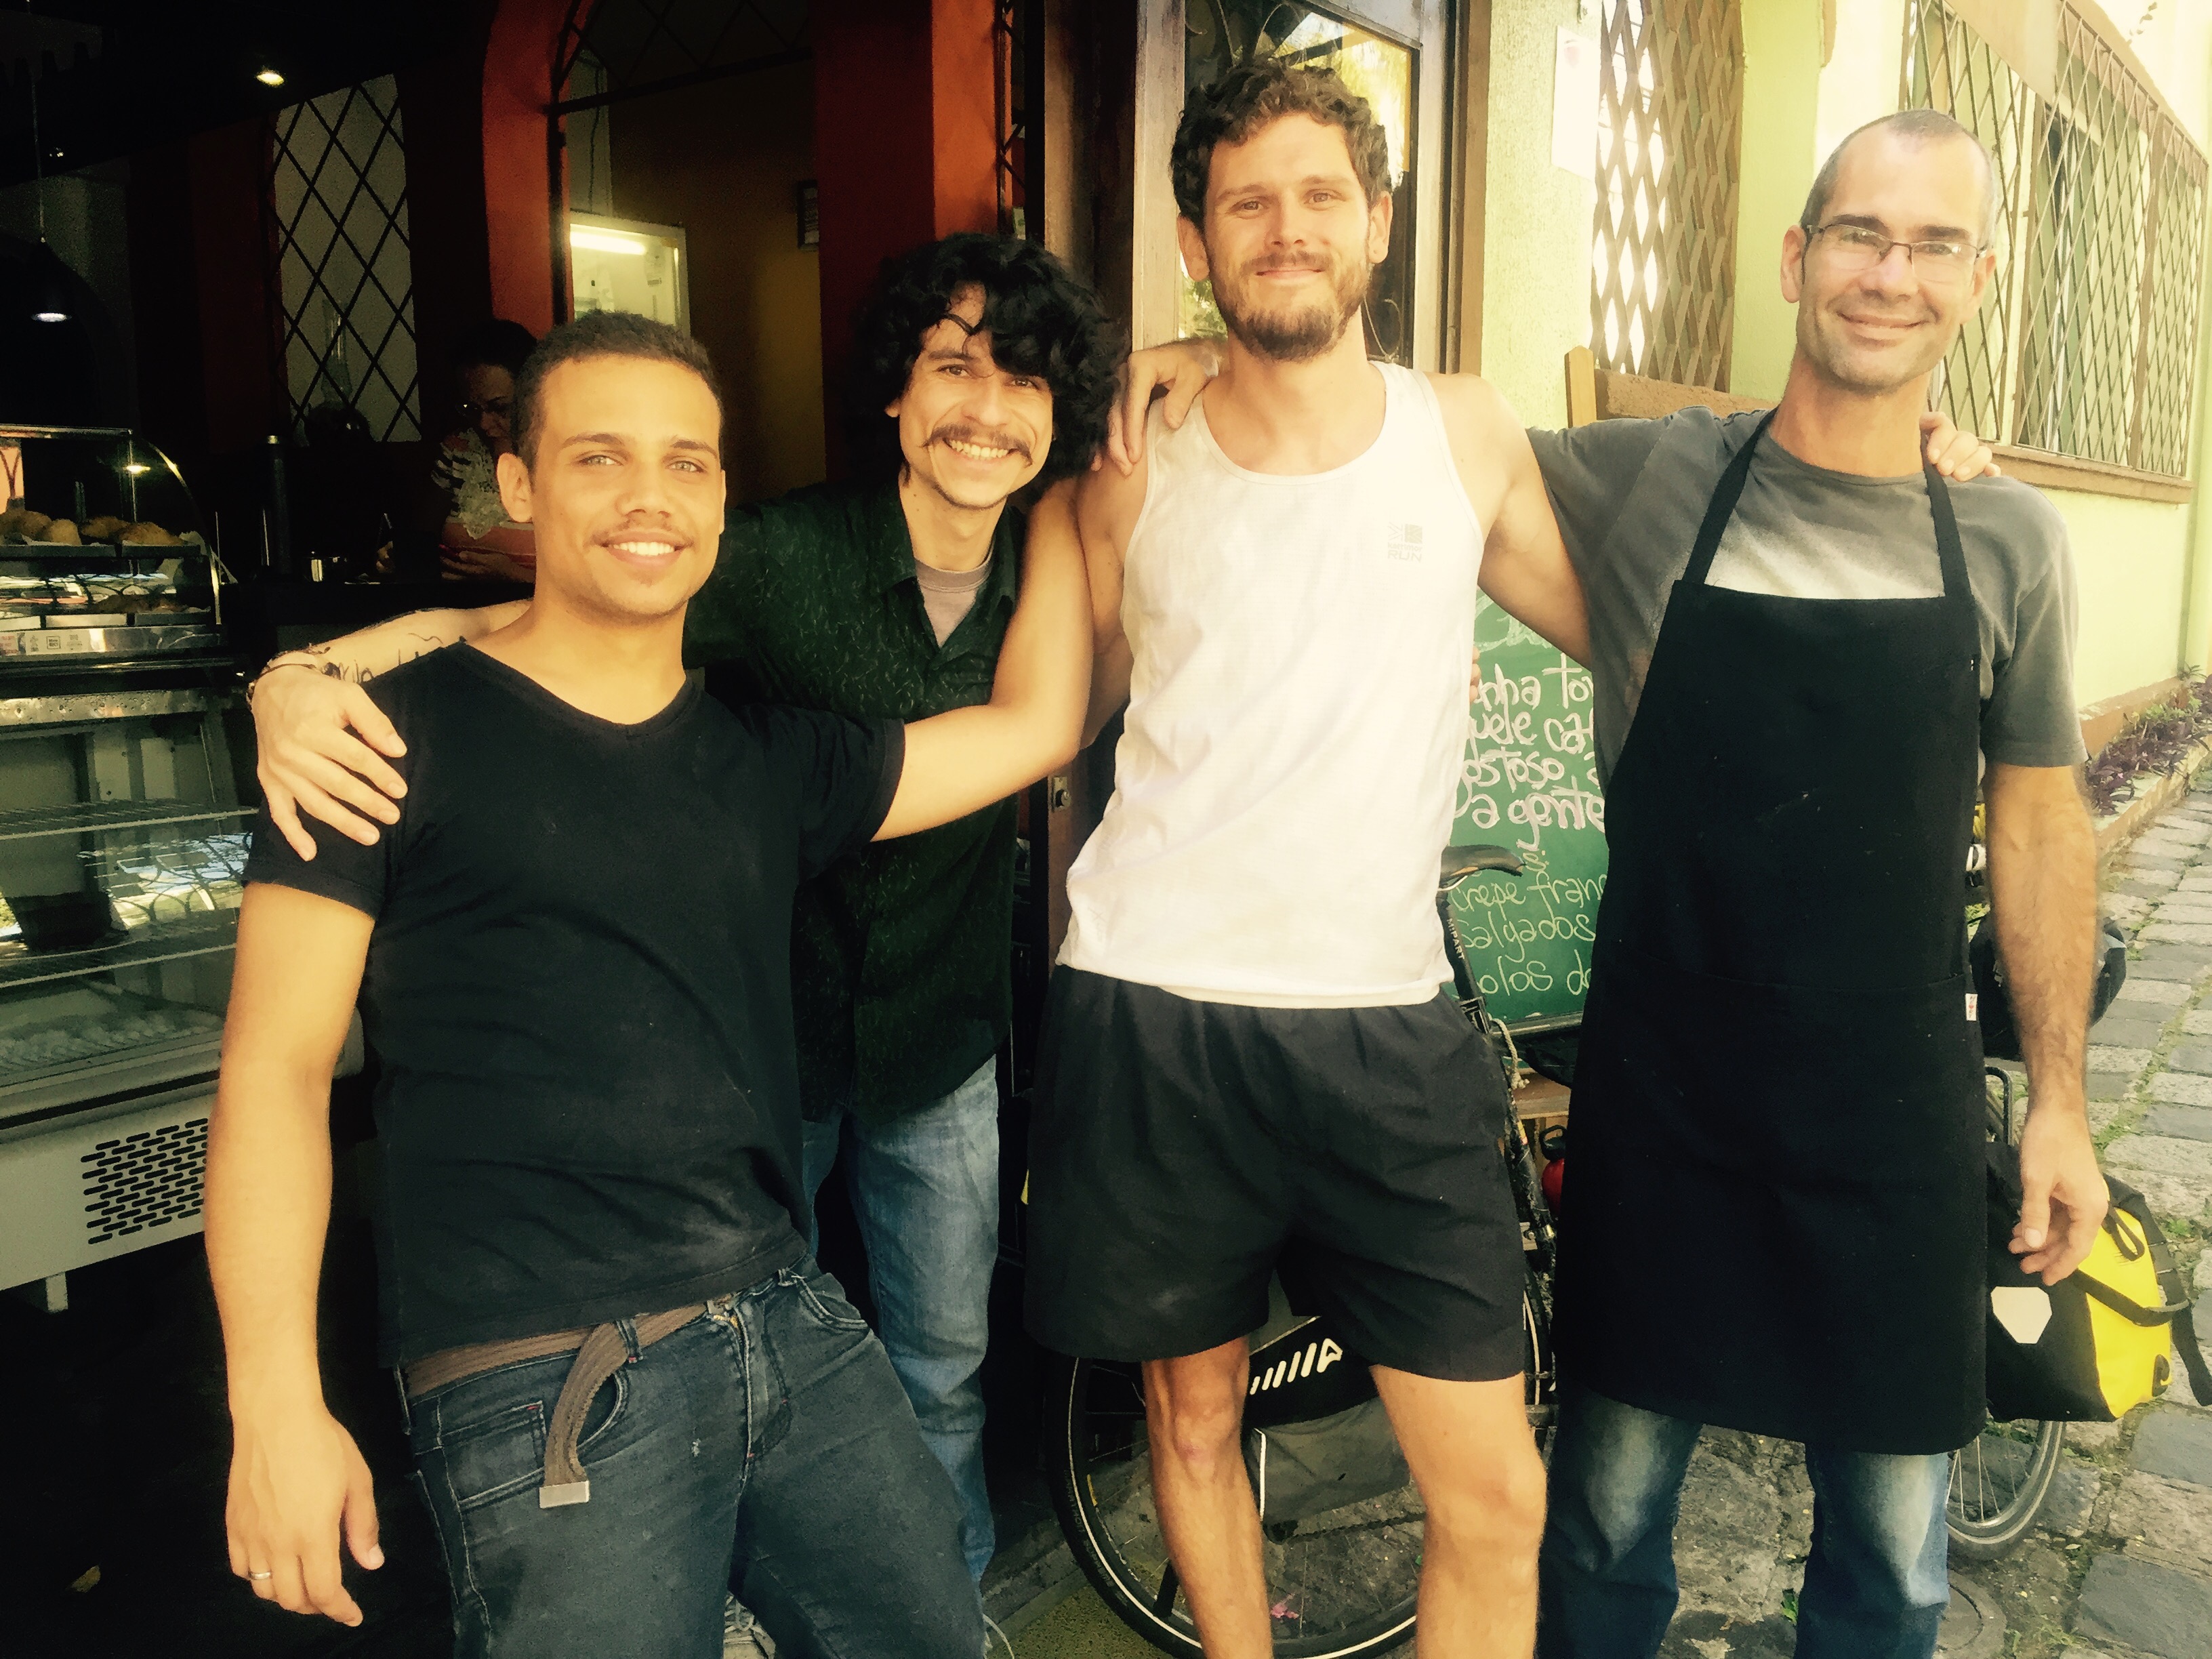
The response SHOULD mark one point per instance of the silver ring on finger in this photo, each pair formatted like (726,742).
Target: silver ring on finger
(261,1578)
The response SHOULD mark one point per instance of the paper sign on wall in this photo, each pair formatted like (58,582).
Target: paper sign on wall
(1574,105)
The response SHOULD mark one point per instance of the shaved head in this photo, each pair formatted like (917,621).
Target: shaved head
(1917,128)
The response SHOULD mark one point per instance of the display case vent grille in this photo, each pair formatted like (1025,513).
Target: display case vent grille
(144,1180)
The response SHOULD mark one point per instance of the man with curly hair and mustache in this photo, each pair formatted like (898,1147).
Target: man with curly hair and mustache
(983,370)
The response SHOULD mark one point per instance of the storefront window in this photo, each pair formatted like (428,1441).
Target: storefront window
(1380,69)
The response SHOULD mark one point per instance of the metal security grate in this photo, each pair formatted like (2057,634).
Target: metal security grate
(1662,251)
(2086,345)
(1018,42)
(1950,68)
(144,1180)
(338,189)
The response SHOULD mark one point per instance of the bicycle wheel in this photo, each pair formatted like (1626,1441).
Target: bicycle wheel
(1339,1583)
(1998,1485)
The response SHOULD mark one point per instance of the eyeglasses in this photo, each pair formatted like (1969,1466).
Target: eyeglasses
(1855,248)
(502,407)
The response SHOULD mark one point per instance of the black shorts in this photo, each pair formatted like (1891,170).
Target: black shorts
(1182,1151)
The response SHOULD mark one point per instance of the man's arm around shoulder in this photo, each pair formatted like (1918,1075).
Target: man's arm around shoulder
(960,762)
(321,739)
(296,1478)
(1107,504)
(1525,568)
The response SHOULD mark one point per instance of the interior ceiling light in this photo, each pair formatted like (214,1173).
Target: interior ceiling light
(270,77)
(603,241)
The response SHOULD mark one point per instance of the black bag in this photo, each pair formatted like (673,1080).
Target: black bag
(1299,1469)
(2096,1344)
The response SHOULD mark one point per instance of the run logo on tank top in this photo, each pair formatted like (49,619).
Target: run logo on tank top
(1297,716)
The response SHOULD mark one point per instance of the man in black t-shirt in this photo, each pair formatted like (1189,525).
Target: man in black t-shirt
(627,1386)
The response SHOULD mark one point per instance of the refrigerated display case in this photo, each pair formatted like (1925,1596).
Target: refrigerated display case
(123,838)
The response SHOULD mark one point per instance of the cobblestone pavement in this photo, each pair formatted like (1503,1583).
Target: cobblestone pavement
(2122,1564)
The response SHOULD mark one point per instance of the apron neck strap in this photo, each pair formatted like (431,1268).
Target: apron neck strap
(1948,550)
(1950,553)
(1721,507)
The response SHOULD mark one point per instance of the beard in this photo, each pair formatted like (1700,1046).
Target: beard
(1303,331)
(1827,344)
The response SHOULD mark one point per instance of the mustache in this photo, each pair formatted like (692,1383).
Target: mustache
(968,432)
(1287,262)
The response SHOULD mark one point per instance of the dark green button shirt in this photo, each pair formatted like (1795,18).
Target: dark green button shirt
(900,977)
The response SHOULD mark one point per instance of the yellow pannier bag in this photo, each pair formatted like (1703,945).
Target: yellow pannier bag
(2100,1341)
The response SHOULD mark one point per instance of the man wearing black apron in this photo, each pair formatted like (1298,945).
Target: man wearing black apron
(1774,1219)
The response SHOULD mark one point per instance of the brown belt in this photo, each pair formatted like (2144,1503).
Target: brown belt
(600,1351)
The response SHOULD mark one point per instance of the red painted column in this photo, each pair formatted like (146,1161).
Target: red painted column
(905,144)
(518,84)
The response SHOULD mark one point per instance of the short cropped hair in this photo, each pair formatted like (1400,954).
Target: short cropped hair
(1916,127)
(1255,93)
(1043,320)
(600,334)
(495,343)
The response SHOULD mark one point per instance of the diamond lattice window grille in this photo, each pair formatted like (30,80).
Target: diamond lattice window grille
(1950,68)
(337,193)
(1662,249)
(643,45)
(2171,315)
(2086,343)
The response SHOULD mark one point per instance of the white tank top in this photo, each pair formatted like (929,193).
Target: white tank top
(1296,722)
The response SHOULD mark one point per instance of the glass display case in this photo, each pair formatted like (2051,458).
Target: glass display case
(101,551)
(122,845)
(123,838)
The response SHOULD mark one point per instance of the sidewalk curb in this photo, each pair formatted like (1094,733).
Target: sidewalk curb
(2142,810)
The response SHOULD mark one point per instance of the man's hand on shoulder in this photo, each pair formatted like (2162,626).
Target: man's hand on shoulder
(1955,453)
(1179,371)
(322,744)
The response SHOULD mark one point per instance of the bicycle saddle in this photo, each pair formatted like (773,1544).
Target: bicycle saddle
(1461,862)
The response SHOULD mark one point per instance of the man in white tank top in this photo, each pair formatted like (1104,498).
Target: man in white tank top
(1248,1066)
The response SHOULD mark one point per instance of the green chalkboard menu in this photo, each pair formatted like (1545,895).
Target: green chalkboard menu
(1529,781)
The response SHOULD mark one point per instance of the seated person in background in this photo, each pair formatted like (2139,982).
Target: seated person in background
(479,539)
(628,1386)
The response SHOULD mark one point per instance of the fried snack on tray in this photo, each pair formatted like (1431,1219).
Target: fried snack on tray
(105,528)
(148,534)
(20,524)
(60,532)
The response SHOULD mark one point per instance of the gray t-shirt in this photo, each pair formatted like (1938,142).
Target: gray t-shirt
(1630,496)
(949,595)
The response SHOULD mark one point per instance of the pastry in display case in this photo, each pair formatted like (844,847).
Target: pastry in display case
(101,551)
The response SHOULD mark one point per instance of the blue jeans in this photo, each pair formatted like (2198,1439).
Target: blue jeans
(1875,1584)
(763,1447)
(926,1189)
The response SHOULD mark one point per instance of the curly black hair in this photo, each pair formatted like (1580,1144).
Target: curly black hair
(1255,93)
(1043,320)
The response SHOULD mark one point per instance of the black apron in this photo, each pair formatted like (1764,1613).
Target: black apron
(1774,1207)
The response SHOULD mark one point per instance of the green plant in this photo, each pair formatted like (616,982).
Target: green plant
(2157,740)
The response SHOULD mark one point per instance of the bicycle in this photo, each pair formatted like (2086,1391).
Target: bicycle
(1341,1577)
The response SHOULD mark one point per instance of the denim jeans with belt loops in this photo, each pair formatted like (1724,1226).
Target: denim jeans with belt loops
(766,1448)
(1875,1583)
